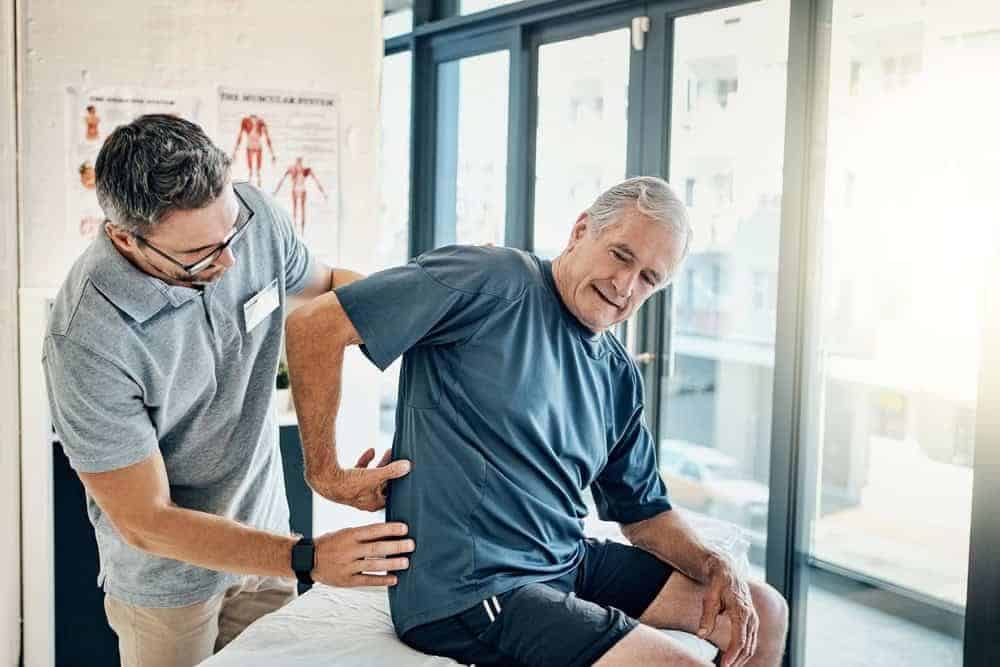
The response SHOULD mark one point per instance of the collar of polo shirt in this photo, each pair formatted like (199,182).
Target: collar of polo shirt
(138,294)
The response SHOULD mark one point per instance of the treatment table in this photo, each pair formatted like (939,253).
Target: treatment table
(351,627)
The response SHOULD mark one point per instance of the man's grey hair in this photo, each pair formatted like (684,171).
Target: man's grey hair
(155,165)
(652,196)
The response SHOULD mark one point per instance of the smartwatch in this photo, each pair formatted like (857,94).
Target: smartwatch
(303,560)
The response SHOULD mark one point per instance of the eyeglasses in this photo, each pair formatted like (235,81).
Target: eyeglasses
(191,270)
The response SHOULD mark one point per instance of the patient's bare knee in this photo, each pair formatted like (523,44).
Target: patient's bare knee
(772,610)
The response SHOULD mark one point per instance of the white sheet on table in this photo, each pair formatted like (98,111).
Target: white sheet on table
(326,626)
(347,627)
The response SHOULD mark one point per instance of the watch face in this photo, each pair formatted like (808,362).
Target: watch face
(302,557)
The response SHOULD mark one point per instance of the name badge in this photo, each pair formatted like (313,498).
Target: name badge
(260,305)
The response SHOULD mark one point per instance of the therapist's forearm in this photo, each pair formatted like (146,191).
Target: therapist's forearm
(317,335)
(672,539)
(212,542)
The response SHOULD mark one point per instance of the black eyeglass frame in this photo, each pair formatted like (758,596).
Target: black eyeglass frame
(191,270)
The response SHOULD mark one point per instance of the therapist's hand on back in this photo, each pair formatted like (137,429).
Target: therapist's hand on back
(348,557)
(361,487)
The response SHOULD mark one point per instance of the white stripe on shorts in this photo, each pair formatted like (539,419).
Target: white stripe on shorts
(489,612)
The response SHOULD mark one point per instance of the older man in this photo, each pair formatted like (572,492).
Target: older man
(160,359)
(515,399)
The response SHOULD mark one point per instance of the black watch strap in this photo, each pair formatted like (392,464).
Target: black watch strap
(303,560)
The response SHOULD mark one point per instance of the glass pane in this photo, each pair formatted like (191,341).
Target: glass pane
(473,6)
(394,219)
(470,202)
(910,206)
(727,138)
(397,19)
(394,160)
(582,92)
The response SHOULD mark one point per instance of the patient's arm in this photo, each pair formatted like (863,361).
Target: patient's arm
(672,539)
(317,335)
(322,280)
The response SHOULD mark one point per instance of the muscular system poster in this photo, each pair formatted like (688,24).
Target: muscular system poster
(91,115)
(287,144)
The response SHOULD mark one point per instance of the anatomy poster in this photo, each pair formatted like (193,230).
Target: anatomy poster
(91,115)
(286,143)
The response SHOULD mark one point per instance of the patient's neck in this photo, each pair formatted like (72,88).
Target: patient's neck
(565,291)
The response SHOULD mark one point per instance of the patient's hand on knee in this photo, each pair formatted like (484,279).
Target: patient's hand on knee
(679,606)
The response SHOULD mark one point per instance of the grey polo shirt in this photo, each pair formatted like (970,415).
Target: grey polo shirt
(133,365)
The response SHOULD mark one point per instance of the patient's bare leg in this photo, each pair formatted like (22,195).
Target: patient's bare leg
(646,646)
(678,606)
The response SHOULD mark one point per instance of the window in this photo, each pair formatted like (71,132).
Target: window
(882,415)
(850,182)
(689,192)
(394,218)
(397,18)
(723,89)
(687,302)
(899,70)
(394,160)
(710,79)
(761,290)
(723,184)
(891,422)
(582,92)
(472,147)
(716,408)
(855,78)
(473,6)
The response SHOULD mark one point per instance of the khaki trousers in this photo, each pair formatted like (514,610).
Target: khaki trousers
(185,636)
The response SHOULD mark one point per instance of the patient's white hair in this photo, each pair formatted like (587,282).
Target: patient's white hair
(652,196)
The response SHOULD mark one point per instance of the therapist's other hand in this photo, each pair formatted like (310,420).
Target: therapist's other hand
(348,557)
(362,487)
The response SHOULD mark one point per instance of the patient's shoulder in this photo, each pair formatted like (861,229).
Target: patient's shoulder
(500,272)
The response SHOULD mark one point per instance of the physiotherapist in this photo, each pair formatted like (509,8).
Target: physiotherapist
(160,358)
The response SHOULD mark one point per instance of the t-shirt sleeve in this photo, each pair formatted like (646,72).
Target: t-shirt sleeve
(97,409)
(630,488)
(297,260)
(436,299)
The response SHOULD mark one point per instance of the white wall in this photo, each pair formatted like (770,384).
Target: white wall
(194,45)
(10,562)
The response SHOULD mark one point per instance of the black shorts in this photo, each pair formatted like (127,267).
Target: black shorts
(572,620)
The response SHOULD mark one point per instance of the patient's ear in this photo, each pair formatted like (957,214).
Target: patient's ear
(579,231)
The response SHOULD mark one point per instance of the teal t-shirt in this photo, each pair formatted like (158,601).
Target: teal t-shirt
(509,409)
